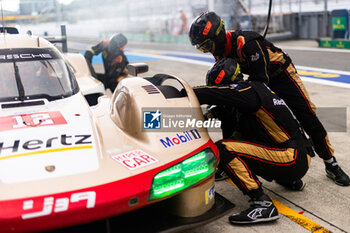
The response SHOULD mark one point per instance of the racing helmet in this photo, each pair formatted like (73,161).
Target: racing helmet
(224,72)
(207,29)
(116,42)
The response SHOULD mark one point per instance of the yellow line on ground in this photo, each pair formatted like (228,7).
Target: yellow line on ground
(299,218)
(47,151)
(296,217)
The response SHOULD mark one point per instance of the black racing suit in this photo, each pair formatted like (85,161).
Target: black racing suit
(270,145)
(114,64)
(262,61)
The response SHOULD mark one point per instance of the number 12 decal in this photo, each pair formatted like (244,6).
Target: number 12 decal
(34,120)
(31,120)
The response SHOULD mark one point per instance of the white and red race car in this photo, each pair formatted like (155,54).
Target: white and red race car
(64,163)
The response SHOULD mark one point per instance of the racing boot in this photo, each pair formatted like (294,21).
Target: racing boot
(335,173)
(296,185)
(262,209)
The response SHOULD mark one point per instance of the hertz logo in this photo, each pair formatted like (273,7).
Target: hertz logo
(37,144)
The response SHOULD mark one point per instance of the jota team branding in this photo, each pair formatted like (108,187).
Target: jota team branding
(180,138)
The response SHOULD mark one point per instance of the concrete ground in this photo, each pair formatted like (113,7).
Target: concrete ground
(322,201)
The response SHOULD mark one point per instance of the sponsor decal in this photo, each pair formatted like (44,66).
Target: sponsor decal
(220,77)
(277,102)
(48,205)
(255,57)
(207,28)
(152,119)
(31,120)
(134,159)
(39,144)
(210,194)
(183,137)
(25,56)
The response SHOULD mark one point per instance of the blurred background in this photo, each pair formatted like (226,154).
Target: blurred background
(168,21)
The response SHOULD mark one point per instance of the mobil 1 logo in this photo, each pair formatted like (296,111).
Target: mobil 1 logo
(180,138)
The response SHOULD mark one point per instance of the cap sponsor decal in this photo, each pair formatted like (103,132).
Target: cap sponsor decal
(31,120)
(207,28)
(134,159)
(220,77)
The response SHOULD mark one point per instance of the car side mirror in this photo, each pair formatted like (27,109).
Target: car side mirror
(137,68)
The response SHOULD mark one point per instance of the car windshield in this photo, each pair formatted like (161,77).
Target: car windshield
(34,73)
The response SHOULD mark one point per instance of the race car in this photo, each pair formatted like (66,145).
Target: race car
(64,163)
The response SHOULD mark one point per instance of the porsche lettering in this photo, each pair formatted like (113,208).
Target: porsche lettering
(51,205)
(35,144)
(25,56)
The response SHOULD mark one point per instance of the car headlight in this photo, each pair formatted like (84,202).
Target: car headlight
(184,174)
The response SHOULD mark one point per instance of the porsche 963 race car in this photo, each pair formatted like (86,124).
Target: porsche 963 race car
(63,162)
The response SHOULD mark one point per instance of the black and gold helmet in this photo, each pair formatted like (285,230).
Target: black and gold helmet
(225,71)
(206,29)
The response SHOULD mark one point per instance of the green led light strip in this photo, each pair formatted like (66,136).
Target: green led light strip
(183,175)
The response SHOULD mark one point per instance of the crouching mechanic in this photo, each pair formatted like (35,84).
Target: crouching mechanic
(114,60)
(270,143)
(264,62)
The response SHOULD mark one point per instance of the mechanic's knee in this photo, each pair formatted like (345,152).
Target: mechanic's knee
(225,155)
(315,129)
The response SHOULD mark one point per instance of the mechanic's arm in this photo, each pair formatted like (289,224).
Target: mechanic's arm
(242,96)
(258,60)
(95,50)
(228,122)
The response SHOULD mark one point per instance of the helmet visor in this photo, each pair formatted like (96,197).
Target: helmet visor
(205,46)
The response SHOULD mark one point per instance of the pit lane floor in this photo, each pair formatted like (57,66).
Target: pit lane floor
(322,206)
